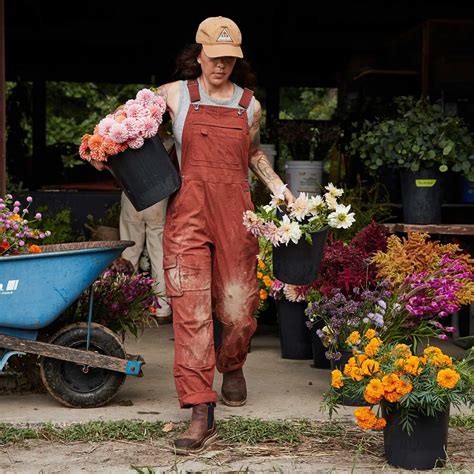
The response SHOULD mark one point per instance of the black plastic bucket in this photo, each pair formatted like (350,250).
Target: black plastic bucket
(295,337)
(298,264)
(425,448)
(146,175)
(422,196)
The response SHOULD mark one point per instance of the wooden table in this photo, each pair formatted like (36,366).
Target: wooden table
(446,229)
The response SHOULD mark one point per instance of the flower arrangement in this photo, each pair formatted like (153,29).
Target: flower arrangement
(123,300)
(298,219)
(391,376)
(127,127)
(17,236)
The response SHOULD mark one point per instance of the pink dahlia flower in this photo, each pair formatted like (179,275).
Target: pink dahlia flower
(119,133)
(146,97)
(105,125)
(136,142)
(149,127)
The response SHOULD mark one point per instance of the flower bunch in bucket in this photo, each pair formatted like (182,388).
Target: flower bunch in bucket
(279,223)
(17,232)
(123,300)
(128,127)
(413,394)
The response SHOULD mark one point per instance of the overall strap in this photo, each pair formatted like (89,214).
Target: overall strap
(193,89)
(247,95)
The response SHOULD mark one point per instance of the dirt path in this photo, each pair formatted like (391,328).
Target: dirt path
(361,454)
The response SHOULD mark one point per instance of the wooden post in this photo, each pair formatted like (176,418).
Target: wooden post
(3,165)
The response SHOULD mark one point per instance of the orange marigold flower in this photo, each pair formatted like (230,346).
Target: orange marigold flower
(355,374)
(370,333)
(267,280)
(354,338)
(261,264)
(374,391)
(390,382)
(259,275)
(403,350)
(404,387)
(431,350)
(380,423)
(336,379)
(370,367)
(263,294)
(442,359)
(15,217)
(447,378)
(373,346)
(34,248)
(366,419)
(392,397)
(412,365)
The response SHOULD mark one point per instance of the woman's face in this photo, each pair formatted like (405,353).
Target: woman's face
(216,70)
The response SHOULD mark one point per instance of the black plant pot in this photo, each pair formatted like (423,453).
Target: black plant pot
(422,196)
(339,364)
(319,351)
(425,448)
(146,175)
(298,264)
(295,337)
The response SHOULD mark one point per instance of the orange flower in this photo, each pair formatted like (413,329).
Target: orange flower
(34,248)
(15,217)
(403,350)
(5,245)
(431,350)
(390,382)
(447,378)
(95,142)
(261,264)
(442,359)
(411,366)
(366,419)
(373,346)
(370,367)
(373,393)
(354,338)
(336,379)
(259,275)
(404,387)
(370,333)
(267,280)
(263,294)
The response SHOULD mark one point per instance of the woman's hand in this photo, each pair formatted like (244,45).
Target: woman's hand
(99,165)
(289,198)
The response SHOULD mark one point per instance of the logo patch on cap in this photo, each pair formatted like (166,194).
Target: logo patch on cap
(224,37)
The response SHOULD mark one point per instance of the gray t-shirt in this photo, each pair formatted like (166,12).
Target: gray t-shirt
(183,107)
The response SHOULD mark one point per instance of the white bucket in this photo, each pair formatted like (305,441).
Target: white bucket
(304,177)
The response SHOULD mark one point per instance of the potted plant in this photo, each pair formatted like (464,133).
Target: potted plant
(298,231)
(128,141)
(413,394)
(422,143)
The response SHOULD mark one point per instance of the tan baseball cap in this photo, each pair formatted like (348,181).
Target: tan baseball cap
(220,36)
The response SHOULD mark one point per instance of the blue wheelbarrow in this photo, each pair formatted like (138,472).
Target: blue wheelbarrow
(82,364)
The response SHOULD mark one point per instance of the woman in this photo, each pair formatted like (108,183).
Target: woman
(209,257)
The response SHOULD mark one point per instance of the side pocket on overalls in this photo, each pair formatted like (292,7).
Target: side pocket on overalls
(172,277)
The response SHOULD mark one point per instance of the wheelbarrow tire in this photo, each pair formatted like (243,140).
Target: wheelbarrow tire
(68,383)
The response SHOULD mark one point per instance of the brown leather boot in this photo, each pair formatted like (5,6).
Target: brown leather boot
(201,432)
(234,388)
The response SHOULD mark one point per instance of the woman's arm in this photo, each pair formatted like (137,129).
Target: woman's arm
(258,161)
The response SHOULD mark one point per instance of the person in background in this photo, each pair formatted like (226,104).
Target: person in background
(146,228)
(209,257)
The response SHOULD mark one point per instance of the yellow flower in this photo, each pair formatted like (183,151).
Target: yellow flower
(370,367)
(263,294)
(354,338)
(261,264)
(447,378)
(336,379)
(259,275)
(403,350)
(370,333)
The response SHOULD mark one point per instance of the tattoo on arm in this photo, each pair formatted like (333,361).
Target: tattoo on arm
(260,165)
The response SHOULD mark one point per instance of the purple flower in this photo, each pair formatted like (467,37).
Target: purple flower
(29,199)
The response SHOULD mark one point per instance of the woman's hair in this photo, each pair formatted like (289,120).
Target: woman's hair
(187,67)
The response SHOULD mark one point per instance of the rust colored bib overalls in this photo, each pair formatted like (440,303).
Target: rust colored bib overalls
(209,257)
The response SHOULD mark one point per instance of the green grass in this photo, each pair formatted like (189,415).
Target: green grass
(462,421)
(235,429)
